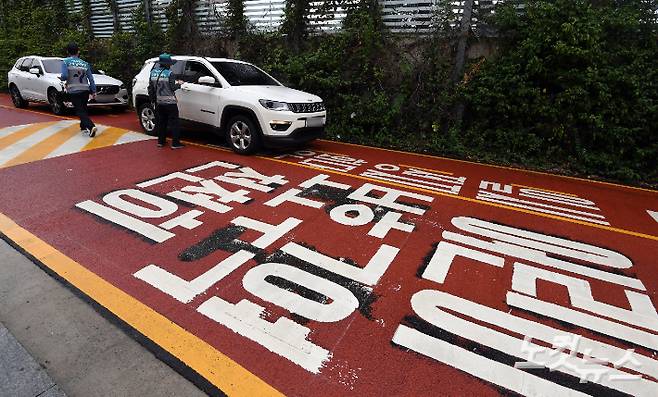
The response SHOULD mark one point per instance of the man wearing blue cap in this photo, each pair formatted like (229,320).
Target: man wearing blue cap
(162,89)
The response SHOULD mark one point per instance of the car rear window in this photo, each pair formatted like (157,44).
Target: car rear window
(52,65)
(243,74)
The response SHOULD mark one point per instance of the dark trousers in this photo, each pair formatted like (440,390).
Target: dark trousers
(79,101)
(166,117)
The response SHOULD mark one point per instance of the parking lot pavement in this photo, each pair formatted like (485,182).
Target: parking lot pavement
(352,270)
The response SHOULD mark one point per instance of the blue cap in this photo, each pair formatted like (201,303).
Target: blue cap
(165,59)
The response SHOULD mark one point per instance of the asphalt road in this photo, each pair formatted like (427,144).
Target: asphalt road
(340,268)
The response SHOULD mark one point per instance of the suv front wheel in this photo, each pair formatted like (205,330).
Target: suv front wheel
(147,118)
(55,102)
(16,97)
(242,135)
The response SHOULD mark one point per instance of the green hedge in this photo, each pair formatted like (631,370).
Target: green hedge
(42,27)
(575,86)
(29,27)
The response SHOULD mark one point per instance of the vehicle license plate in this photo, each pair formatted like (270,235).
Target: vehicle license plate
(315,122)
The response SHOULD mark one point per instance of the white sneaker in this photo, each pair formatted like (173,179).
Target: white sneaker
(92,133)
(85,131)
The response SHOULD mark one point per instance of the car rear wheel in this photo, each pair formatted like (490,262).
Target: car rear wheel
(242,135)
(16,97)
(146,116)
(55,102)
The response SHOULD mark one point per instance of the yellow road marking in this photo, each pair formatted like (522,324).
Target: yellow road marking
(427,169)
(43,148)
(23,133)
(214,366)
(493,166)
(545,190)
(472,200)
(108,137)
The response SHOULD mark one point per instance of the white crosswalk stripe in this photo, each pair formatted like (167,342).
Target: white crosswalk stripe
(653,214)
(24,144)
(132,137)
(41,141)
(10,130)
(75,144)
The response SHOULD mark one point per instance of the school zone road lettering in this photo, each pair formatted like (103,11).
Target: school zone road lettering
(359,271)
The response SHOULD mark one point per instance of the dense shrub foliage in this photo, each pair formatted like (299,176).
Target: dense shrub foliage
(32,27)
(576,85)
(572,87)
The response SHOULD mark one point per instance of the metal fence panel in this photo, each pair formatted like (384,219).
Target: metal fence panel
(400,16)
(208,19)
(158,9)
(126,9)
(102,22)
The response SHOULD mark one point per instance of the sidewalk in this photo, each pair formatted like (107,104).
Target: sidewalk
(20,374)
(56,344)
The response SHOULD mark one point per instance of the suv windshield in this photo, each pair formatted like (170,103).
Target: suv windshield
(52,65)
(243,74)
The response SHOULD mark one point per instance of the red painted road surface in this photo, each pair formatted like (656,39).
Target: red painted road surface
(345,270)
(36,112)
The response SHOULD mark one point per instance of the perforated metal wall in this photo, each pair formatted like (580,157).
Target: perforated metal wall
(404,16)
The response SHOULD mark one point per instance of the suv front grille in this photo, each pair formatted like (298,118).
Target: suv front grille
(107,89)
(310,107)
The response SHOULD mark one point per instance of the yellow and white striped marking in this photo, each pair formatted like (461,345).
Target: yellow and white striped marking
(26,143)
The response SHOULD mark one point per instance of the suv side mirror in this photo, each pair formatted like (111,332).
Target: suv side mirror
(36,71)
(207,80)
(101,71)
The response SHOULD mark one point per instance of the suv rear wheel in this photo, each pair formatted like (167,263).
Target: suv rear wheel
(16,97)
(146,116)
(242,135)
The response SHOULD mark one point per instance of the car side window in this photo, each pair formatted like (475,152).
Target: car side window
(193,71)
(178,68)
(25,66)
(36,64)
(18,63)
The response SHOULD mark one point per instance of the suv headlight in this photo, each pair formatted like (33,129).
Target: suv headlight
(274,105)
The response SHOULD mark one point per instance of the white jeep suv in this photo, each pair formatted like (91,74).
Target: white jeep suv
(244,103)
(36,79)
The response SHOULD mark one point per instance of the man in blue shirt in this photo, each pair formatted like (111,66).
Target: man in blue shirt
(162,90)
(79,79)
